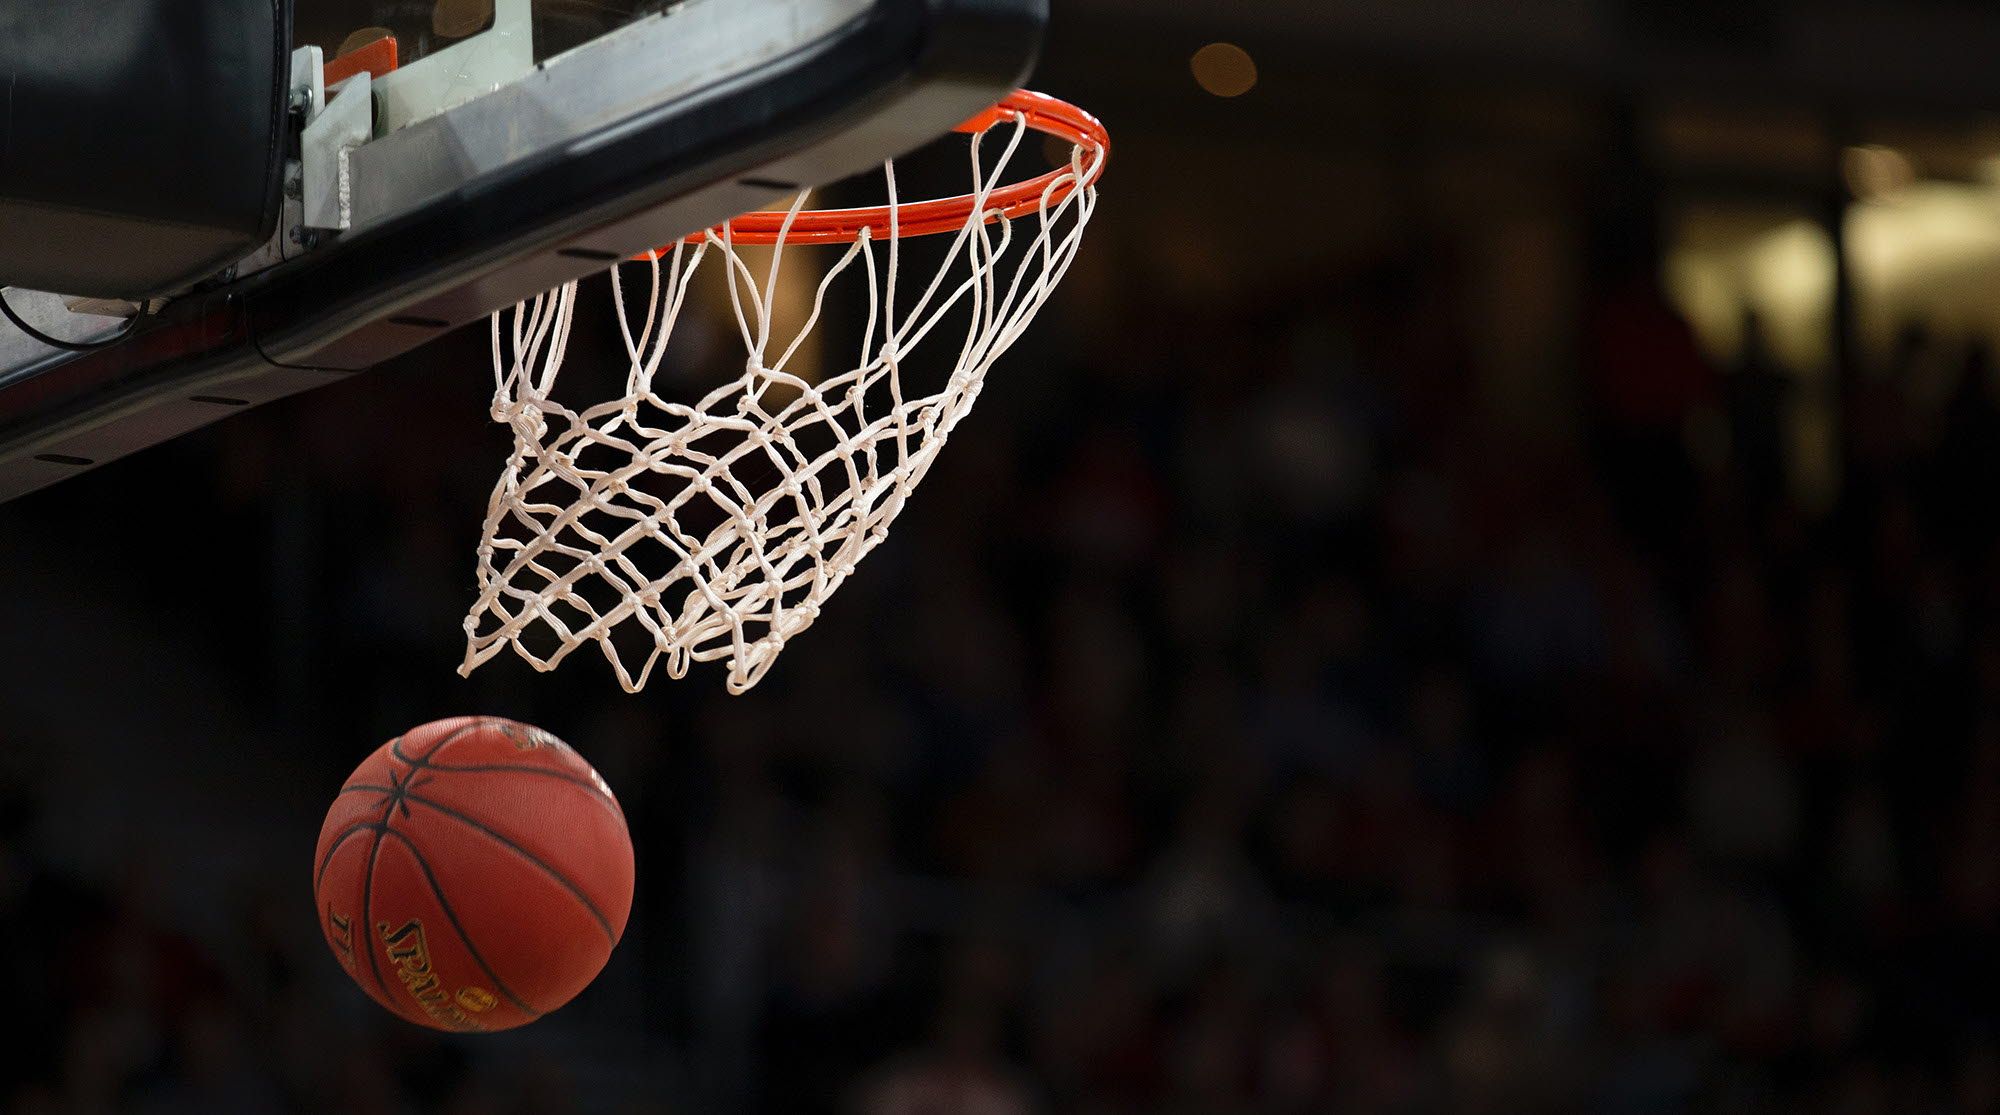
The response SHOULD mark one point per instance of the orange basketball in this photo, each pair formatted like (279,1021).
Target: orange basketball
(473,874)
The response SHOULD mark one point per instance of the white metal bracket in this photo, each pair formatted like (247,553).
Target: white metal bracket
(502,53)
(327,185)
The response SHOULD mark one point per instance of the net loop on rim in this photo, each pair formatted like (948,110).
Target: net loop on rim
(669,532)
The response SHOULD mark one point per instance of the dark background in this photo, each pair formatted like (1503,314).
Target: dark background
(1479,595)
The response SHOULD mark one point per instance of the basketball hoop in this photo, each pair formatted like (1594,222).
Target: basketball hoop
(717,530)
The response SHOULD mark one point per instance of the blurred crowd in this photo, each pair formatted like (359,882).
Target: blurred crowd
(1243,719)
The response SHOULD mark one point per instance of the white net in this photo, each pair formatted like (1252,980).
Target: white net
(676,532)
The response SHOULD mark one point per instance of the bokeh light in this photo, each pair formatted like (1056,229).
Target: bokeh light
(1224,69)
(1873,171)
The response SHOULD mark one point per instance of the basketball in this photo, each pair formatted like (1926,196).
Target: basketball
(473,874)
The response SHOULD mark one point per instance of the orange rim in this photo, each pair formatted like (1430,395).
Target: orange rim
(1040,112)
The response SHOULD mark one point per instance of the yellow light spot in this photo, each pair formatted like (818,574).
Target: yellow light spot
(455,19)
(360,39)
(1224,69)
(1875,172)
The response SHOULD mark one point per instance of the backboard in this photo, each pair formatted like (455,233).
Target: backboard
(515,145)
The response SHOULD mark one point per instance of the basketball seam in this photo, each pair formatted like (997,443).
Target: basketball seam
(459,734)
(424,763)
(396,745)
(358,788)
(522,768)
(452,917)
(319,873)
(603,922)
(367,920)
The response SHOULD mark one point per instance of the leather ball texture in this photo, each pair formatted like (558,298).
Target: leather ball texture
(473,874)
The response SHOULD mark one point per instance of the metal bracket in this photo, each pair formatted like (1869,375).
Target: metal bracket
(308,100)
(502,53)
(328,180)
(309,80)
(112,307)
